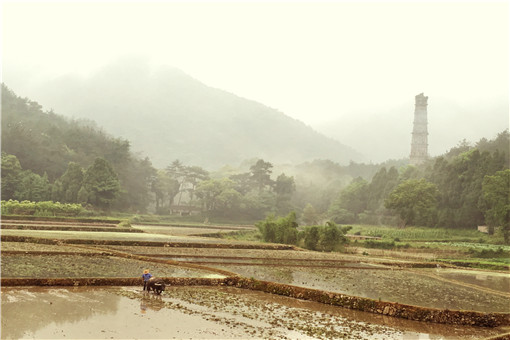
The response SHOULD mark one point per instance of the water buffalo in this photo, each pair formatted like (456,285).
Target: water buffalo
(156,284)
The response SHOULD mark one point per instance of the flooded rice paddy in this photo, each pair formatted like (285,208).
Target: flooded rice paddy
(402,286)
(443,288)
(71,266)
(198,313)
(491,280)
(105,235)
(184,230)
(227,312)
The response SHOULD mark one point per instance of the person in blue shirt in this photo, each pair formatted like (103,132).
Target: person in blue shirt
(146,277)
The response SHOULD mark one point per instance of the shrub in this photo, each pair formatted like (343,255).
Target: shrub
(284,230)
(44,208)
(311,237)
(124,224)
(324,238)
(330,237)
(281,230)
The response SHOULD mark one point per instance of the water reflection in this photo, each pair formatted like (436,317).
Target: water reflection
(26,310)
(491,280)
(151,301)
(197,312)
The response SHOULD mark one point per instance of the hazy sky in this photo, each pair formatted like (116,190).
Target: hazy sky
(313,61)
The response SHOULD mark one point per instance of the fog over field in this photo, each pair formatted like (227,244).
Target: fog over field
(348,70)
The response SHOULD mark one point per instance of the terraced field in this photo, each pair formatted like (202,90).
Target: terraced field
(227,312)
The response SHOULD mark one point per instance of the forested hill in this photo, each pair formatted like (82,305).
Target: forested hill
(169,115)
(46,143)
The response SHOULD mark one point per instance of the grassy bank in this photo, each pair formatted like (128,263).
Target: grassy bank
(424,234)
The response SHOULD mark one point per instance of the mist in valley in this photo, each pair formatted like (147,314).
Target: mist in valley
(318,98)
(169,70)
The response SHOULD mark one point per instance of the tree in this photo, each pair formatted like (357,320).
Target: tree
(284,188)
(177,172)
(165,188)
(33,187)
(261,174)
(83,196)
(413,200)
(71,182)
(11,175)
(136,183)
(242,182)
(381,185)
(101,183)
(459,179)
(310,216)
(188,177)
(351,202)
(44,142)
(496,201)
(259,204)
(215,194)
(194,175)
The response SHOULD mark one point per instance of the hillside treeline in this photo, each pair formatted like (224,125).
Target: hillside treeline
(47,157)
(460,189)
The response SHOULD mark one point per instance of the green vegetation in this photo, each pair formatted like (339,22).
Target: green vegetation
(285,230)
(323,238)
(496,202)
(482,263)
(48,158)
(460,247)
(421,233)
(100,185)
(240,235)
(413,200)
(45,208)
(44,154)
(384,244)
(279,230)
(464,188)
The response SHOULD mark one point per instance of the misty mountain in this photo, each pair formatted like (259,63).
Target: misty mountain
(168,115)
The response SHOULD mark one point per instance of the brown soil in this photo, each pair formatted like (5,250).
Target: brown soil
(199,313)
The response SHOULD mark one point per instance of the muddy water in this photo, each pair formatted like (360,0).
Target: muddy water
(198,313)
(493,280)
(400,286)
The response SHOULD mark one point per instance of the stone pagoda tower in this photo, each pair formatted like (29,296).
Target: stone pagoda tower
(419,142)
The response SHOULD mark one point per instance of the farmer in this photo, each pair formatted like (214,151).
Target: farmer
(146,277)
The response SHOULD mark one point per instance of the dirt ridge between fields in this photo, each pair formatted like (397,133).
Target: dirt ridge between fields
(15,238)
